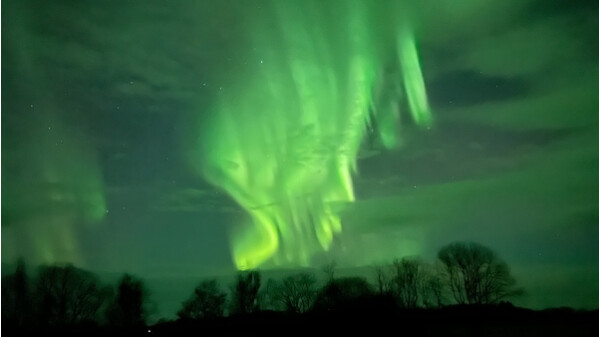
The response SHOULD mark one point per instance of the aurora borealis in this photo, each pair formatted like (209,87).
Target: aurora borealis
(283,138)
(200,137)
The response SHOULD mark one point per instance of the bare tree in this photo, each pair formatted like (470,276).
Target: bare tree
(296,293)
(329,270)
(384,279)
(267,296)
(408,281)
(208,301)
(342,292)
(244,297)
(475,275)
(129,306)
(16,297)
(434,289)
(67,295)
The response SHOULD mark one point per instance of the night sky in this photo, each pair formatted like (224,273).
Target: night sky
(193,138)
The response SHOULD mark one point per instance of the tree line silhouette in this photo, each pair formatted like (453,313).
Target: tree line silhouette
(63,296)
(465,274)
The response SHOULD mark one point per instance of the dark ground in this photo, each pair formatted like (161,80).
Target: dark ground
(376,320)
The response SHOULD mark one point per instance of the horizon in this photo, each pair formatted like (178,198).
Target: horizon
(168,292)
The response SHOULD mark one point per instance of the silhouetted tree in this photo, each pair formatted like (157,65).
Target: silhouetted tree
(244,293)
(16,300)
(267,296)
(383,279)
(408,281)
(433,292)
(475,275)
(296,293)
(343,293)
(67,295)
(329,270)
(208,301)
(128,308)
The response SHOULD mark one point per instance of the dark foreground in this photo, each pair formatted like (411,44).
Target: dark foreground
(448,321)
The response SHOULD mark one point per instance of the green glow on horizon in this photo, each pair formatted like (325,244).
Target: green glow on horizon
(283,138)
(60,190)
(53,185)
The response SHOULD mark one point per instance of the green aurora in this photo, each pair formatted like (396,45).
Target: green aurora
(283,139)
(52,184)
(191,139)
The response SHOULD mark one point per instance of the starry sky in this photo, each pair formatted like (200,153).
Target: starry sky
(111,135)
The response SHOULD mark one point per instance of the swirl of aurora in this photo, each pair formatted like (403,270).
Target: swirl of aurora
(283,138)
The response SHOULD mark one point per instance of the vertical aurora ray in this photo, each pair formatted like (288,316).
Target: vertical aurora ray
(413,79)
(283,139)
(53,189)
(52,181)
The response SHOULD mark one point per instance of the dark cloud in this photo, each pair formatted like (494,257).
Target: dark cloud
(541,9)
(467,87)
(195,200)
(453,152)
